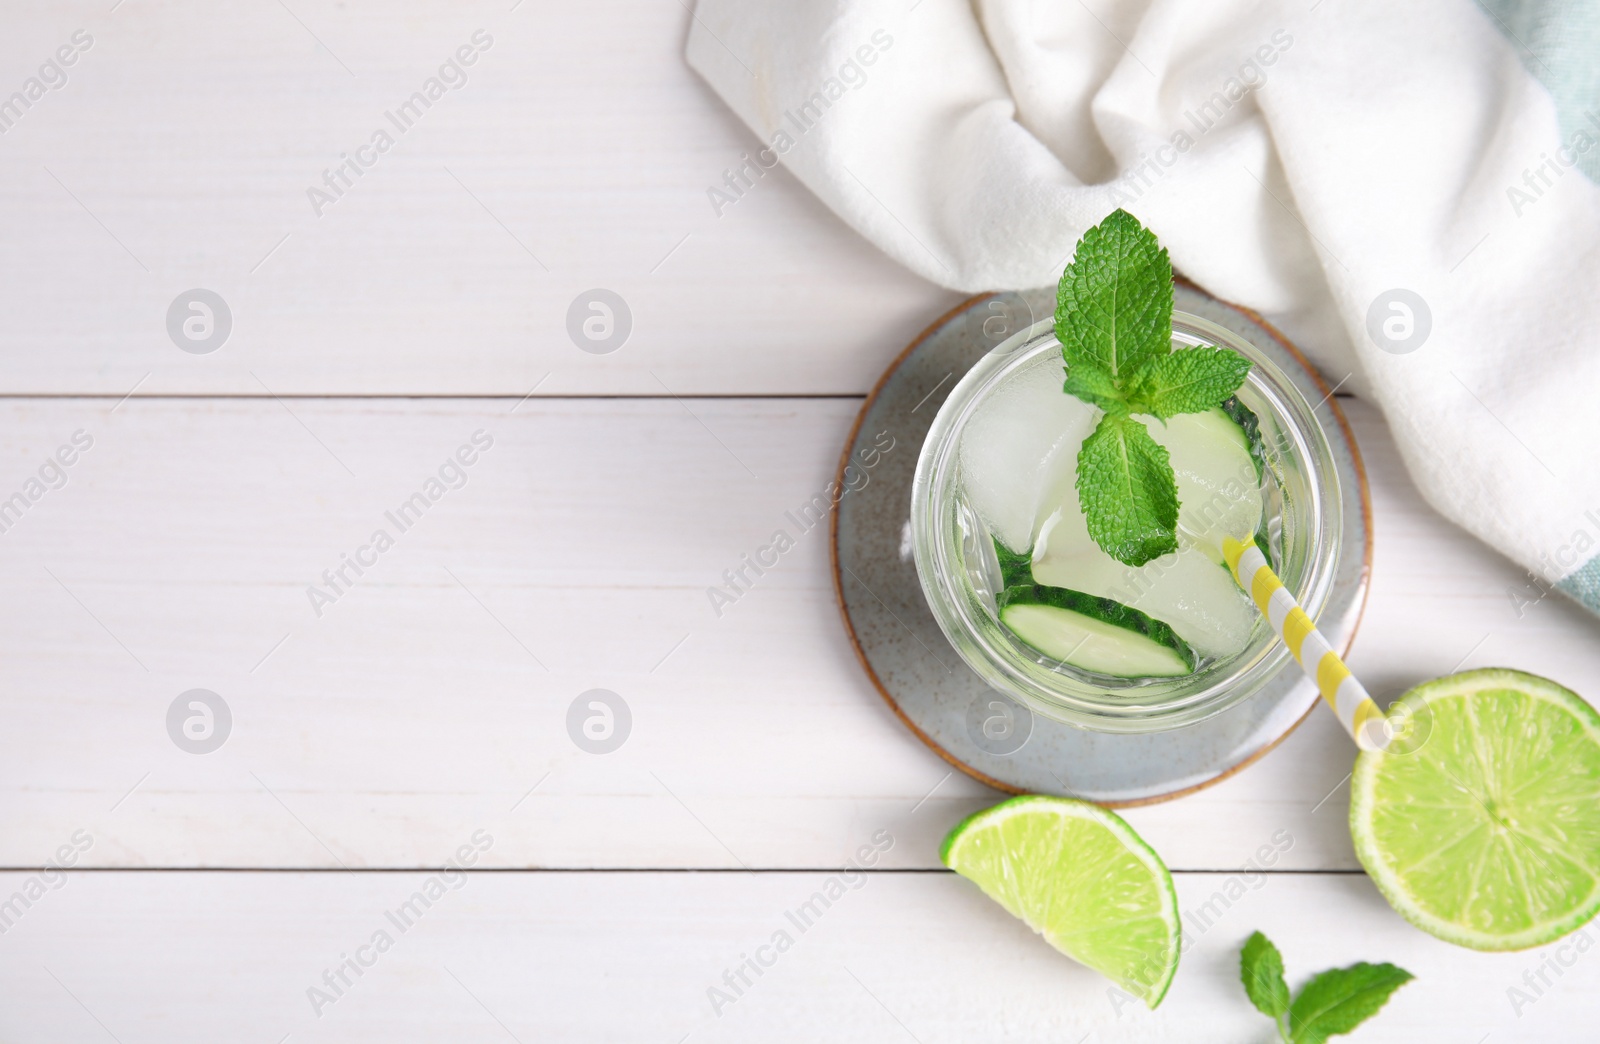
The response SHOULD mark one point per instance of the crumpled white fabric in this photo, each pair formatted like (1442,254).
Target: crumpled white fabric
(1304,160)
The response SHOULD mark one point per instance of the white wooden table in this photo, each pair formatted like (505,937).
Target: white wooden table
(425,708)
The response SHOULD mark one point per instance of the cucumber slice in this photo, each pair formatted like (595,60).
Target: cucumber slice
(1194,595)
(1219,486)
(1014,568)
(1094,634)
(1250,424)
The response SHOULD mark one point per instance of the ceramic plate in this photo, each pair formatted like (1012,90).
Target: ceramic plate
(978,730)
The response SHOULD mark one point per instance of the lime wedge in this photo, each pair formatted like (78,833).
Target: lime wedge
(1078,875)
(1487,835)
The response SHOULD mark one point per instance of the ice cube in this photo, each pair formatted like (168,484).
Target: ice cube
(1019,450)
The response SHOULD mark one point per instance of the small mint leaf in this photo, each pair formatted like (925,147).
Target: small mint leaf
(1338,1001)
(1191,380)
(1094,384)
(1127,491)
(1114,301)
(1261,970)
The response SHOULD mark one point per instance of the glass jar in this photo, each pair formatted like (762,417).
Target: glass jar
(952,548)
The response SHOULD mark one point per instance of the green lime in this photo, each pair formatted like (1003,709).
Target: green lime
(1078,875)
(1487,835)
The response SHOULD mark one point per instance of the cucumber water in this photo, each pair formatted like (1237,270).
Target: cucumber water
(1062,596)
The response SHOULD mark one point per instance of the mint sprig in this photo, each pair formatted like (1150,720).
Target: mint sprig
(1332,1003)
(1114,321)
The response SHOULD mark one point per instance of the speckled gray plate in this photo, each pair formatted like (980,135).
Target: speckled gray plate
(970,725)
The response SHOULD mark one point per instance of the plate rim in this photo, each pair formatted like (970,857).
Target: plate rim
(1365,499)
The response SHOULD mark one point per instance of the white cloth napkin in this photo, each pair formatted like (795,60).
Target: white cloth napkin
(1407,189)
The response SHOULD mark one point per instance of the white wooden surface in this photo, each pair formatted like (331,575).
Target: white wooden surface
(631,956)
(430,700)
(577,155)
(180,551)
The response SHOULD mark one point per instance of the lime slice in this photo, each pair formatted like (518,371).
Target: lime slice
(1487,835)
(1078,875)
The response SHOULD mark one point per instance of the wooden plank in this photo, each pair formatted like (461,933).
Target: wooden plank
(635,956)
(433,694)
(577,154)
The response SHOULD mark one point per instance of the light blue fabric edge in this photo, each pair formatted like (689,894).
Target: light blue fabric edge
(1583,585)
(1558,42)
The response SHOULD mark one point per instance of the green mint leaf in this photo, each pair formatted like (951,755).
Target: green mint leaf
(1338,1001)
(1114,301)
(1014,568)
(1191,380)
(1127,490)
(1261,970)
(1094,384)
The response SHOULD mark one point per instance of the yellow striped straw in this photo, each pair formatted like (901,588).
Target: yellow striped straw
(1348,698)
